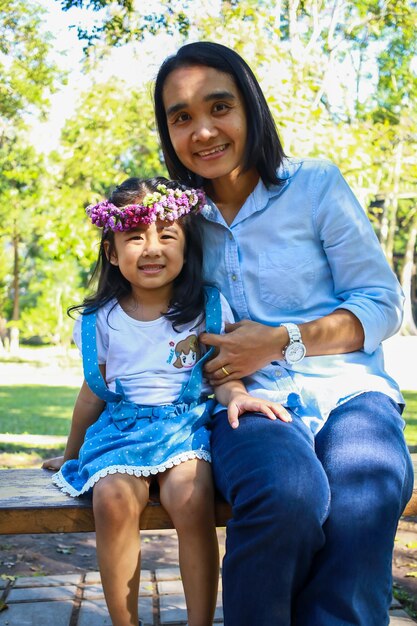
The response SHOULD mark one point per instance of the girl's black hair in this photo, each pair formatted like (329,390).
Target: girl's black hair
(263,147)
(188,300)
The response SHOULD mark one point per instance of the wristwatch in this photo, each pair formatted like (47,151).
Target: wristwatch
(295,351)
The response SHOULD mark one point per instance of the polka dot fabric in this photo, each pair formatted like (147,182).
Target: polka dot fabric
(137,439)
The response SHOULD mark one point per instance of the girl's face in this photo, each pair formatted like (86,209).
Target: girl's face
(206,121)
(188,360)
(150,257)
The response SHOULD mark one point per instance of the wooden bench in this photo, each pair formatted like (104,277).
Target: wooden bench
(30,504)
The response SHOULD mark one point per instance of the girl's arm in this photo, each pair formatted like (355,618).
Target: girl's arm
(88,407)
(234,395)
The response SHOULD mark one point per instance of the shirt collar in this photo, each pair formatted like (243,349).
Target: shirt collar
(259,197)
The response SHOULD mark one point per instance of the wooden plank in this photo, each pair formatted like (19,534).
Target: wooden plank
(411,508)
(31,504)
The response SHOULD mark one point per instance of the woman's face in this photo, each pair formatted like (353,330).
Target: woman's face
(206,120)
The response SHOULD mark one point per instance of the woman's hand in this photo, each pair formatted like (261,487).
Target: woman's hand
(243,402)
(248,346)
(53,464)
(245,348)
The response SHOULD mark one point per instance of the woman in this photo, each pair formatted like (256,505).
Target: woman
(315,502)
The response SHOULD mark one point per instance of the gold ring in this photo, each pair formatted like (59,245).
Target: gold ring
(225,372)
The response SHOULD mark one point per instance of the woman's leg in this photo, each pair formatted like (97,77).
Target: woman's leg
(365,457)
(118,501)
(187,493)
(279,493)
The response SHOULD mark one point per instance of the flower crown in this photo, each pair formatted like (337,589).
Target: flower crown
(163,204)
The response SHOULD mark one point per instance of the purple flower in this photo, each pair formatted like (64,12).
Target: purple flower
(164,204)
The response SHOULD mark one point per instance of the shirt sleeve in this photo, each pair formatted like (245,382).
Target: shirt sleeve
(102,336)
(362,277)
(76,333)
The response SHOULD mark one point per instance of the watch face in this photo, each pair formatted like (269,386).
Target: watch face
(295,352)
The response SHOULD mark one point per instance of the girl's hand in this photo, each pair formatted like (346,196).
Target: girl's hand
(245,348)
(243,402)
(53,464)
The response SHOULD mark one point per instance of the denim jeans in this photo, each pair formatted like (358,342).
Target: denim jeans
(312,534)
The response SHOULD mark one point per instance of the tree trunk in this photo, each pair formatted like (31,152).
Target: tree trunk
(409,326)
(14,331)
(394,202)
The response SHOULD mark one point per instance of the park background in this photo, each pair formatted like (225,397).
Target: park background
(76,118)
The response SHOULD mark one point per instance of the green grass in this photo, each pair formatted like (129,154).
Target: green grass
(36,409)
(43,410)
(410,416)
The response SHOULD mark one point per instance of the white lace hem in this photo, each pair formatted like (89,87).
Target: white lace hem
(133,470)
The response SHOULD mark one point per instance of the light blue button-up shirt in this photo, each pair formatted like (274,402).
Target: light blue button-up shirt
(295,253)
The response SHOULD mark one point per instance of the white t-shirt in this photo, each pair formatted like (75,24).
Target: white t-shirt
(151,359)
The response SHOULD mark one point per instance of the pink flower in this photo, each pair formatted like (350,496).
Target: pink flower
(164,204)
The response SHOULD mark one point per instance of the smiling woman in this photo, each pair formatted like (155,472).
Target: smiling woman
(289,246)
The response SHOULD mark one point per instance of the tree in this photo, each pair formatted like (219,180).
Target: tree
(28,74)
(124,21)
(28,78)
(339,78)
(109,137)
(19,194)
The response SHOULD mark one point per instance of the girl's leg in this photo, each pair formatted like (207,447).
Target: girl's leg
(279,493)
(365,457)
(187,493)
(118,501)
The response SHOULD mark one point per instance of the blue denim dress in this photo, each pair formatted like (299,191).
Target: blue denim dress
(136,439)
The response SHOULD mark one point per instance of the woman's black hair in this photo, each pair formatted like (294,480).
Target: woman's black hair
(263,147)
(188,301)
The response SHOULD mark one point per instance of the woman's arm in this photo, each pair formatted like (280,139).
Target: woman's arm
(248,346)
(87,409)
(369,295)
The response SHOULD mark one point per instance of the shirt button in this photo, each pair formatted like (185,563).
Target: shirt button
(234,277)
(278,373)
(230,236)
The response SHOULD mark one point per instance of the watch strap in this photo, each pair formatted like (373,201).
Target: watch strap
(293,331)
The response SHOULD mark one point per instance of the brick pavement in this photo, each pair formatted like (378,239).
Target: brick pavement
(77,600)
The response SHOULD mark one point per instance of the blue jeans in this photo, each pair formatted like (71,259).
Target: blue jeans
(312,534)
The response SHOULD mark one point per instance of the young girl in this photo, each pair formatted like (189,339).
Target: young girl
(143,409)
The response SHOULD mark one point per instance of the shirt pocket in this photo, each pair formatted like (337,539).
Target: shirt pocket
(286,278)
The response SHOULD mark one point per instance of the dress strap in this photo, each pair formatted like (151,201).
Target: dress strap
(192,391)
(92,373)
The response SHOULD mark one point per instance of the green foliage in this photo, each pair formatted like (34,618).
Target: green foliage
(126,20)
(410,416)
(104,142)
(20,191)
(28,76)
(340,79)
(45,410)
(55,287)
(111,136)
